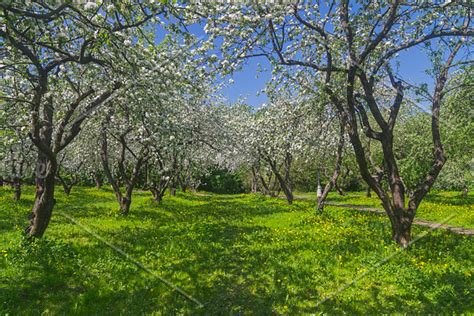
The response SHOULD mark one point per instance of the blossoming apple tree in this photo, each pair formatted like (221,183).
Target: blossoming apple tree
(56,51)
(355,45)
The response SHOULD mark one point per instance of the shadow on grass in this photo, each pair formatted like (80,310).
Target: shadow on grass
(223,251)
(456,200)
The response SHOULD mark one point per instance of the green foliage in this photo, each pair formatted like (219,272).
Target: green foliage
(414,140)
(237,254)
(414,146)
(458,135)
(223,182)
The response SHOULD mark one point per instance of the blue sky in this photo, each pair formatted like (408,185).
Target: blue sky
(249,81)
(413,64)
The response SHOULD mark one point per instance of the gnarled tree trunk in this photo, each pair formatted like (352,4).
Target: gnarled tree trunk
(254,184)
(182,183)
(158,190)
(124,199)
(67,187)
(16,188)
(339,189)
(173,189)
(44,198)
(265,187)
(368,192)
(283,181)
(125,202)
(98,180)
(157,196)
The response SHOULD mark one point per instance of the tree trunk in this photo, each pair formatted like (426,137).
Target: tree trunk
(44,199)
(130,181)
(146,173)
(158,189)
(63,184)
(67,189)
(339,190)
(172,190)
(254,183)
(98,181)
(343,178)
(158,198)
(274,186)
(183,183)
(126,199)
(125,205)
(265,188)
(401,221)
(288,194)
(337,168)
(286,188)
(157,194)
(17,188)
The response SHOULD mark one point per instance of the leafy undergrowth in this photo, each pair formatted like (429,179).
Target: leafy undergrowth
(442,207)
(239,254)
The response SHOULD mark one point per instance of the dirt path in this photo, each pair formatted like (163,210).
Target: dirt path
(421,222)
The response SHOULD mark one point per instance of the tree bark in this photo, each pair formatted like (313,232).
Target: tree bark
(157,196)
(125,205)
(344,176)
(339,190)
(265,188)
(42,116)
(17,174)
(402,220)
(97,180)
(182,184)
(44,198)
(46,168)
(286,187)
(158,190)
(254,184)
(17,188)
(124,199)
(172,190)
(66,187)
(337,168)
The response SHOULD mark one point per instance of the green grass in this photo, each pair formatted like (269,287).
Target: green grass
(237,254)
(437,206)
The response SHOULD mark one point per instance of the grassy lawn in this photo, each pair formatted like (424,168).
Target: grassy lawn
(239,254)
(436,207)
